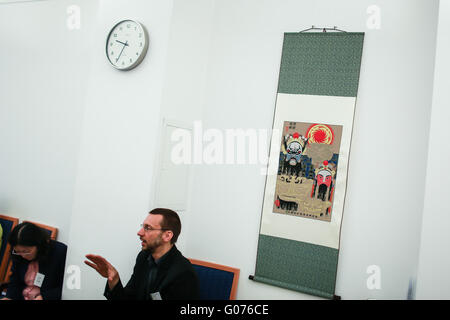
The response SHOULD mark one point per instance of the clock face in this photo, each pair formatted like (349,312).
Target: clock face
(127,44)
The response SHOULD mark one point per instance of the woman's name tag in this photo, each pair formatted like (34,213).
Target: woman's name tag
(39,279)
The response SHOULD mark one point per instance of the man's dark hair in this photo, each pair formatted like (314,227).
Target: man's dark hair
(171,221)
(29,235)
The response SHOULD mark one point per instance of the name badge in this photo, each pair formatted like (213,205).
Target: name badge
(39,279)
(156,296)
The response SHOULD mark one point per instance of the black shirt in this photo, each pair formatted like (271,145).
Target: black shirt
(174,279)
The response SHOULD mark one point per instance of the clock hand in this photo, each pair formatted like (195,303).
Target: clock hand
(125,44)
(120,53)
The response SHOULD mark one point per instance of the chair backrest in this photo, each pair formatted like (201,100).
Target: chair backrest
(217,282)
(8,223)
(52,231)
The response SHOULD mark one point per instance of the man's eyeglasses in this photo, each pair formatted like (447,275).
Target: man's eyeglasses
(21,253)
(146,227)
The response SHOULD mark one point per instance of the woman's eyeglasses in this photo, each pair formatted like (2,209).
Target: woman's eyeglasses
(25,253)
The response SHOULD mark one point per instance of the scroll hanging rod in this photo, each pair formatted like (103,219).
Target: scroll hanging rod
(322,29)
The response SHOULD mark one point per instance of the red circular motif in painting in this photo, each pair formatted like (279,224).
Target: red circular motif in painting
(320,133)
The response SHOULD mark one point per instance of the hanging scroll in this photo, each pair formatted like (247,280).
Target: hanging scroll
(303,204)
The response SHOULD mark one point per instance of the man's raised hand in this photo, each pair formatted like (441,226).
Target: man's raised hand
(104,268)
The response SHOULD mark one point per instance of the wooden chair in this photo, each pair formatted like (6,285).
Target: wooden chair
(217,282)
(8,223)
(52,231)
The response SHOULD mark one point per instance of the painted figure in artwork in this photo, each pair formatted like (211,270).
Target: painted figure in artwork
(323,185)
(292,147)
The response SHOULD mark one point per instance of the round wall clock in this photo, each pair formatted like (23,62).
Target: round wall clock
(126,44)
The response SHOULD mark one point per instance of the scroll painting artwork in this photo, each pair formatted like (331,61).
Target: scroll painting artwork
(303,204)
(307,170)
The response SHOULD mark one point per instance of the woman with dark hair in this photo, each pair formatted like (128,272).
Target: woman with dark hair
(38,264)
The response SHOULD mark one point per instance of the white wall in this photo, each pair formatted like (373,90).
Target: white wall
(184,89)
(43,81)
(87,159)
(434,264)
(383,208)
(117,152)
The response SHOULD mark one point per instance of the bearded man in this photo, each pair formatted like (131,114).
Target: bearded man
(160,272)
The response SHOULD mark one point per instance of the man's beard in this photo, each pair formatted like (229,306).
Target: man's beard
(151,247)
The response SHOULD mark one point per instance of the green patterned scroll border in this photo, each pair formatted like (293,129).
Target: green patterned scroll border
(326,64)
(296,265)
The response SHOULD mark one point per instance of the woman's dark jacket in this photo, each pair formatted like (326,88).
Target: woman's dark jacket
(52,266)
